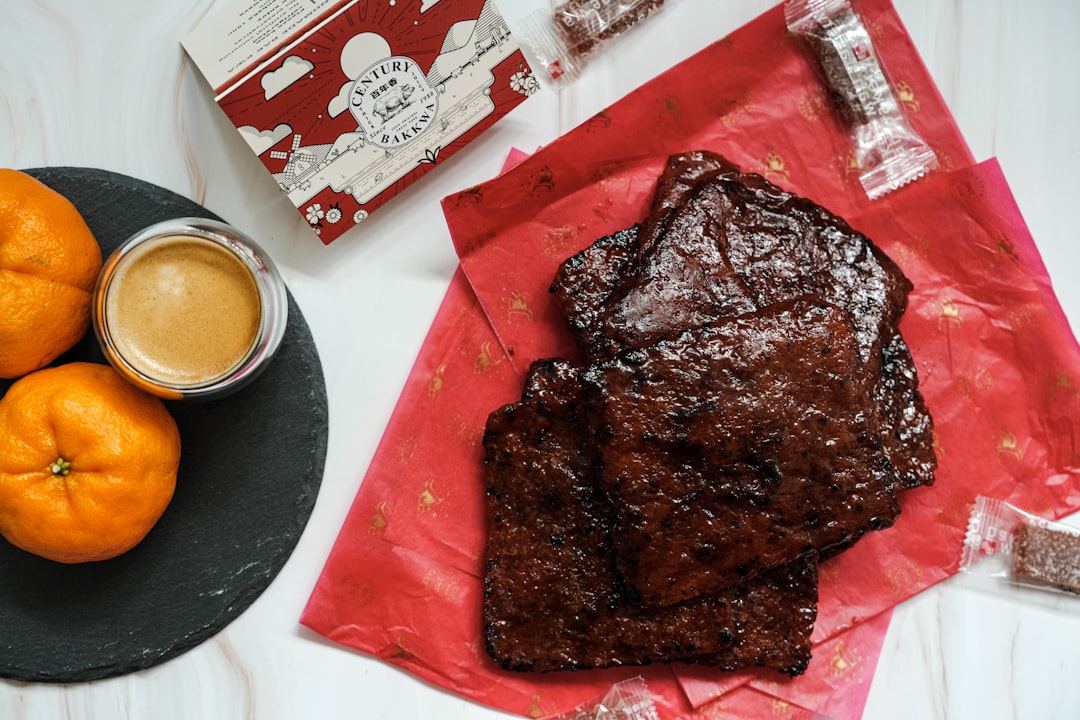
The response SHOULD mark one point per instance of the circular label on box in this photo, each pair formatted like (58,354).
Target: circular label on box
(393,102)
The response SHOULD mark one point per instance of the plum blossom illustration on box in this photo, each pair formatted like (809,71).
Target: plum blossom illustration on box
(374,96)
(524,81)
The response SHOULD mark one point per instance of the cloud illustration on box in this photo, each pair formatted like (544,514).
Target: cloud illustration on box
(292,70)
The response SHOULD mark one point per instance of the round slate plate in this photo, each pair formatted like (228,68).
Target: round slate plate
(250,468)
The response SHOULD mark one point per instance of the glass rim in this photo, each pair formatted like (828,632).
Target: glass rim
(273,307)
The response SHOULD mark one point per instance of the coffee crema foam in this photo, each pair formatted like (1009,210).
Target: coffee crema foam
(183,310)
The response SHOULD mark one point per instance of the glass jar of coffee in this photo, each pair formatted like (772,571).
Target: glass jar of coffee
(189,309)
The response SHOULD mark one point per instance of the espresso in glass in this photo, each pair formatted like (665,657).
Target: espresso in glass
(184,308)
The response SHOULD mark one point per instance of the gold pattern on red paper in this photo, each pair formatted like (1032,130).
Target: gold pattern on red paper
(406,449)
(399,650)
(435,384)
(463,429)
(1009,446)
(599,121)
(610,177)
(843,660)
(968,187)
(774,168)
(379,519)
(781,708)
(1020,320)
(1063,385)
(738,111)
(828,573)
(429,499)
(914,247)
(814,105)
(953,516)
(975,382)
(442,586)
(486,358)
(949,315)
(558,241)
(542,181)
(905,95)
(517,307)
(670,108)
(903,577)
(535,710)
(847,166)
(359,591)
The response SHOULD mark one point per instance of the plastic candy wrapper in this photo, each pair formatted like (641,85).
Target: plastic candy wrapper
(627,700)
(563,38)
(1018,547)
(889,154)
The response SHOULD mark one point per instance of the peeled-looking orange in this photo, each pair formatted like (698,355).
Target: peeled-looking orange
(49,262)
(88,463)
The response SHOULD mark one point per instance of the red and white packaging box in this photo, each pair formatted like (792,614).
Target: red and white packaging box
(348,102)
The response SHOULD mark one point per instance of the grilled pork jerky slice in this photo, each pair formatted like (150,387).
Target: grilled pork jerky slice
(777,636)
(783,246)
(608,307)
(681,175)
(553,599)
(685,173)
(841,266)
(679,284)
(735,243)
(675,286)
(738,447)
(583,284)
(907,428)
(544,520)
(685,287)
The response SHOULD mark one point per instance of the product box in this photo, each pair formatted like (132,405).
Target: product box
(348,102)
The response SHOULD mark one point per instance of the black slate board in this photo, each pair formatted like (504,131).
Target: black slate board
(251,465)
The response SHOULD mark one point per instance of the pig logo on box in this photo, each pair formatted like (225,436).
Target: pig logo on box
(393,102)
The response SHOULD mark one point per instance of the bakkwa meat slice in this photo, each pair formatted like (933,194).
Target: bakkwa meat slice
(737,447)
(553,598)
(718,242)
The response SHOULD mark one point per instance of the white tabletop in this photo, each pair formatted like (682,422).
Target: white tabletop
(107,85)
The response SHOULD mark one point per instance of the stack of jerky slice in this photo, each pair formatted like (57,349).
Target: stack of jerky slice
(747,406)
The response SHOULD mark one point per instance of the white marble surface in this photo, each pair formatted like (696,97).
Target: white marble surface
(107,85)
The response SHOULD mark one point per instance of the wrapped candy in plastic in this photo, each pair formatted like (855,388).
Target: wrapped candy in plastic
(626,700)
(888,152)
(1020,548)
(563,38)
